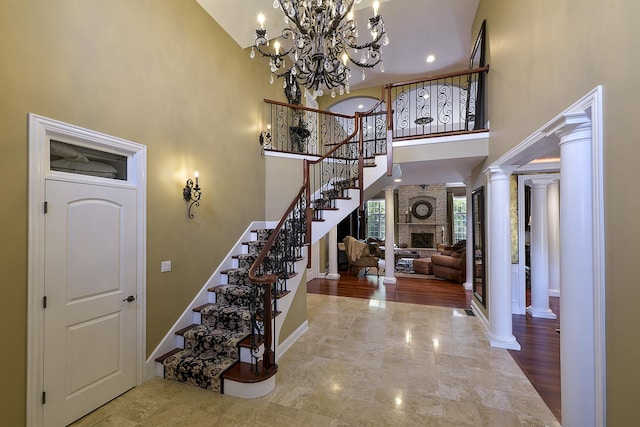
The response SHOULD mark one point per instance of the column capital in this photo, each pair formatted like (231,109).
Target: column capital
(493,170)
(569,123)
(541,182)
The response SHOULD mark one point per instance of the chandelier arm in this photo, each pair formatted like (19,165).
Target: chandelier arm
(293,19)
(262,41)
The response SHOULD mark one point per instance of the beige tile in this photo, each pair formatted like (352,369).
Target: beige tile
(359,364)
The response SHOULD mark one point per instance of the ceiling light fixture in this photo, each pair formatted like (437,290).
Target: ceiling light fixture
(431,58)
(322,39)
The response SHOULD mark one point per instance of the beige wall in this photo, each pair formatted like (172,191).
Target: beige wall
(545,55)
(284,176)
(161,73)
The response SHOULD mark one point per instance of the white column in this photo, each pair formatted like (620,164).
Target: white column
(539,249)
(333,255)
(553,213)
(468,284)
(577,322)
(389,237)
(499,255)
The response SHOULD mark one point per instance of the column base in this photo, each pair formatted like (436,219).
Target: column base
(332,276)
(541,313)
(390,281)
(510,343)
(467,286)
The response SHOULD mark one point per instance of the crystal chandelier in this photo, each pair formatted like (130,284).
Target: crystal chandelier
(322,39)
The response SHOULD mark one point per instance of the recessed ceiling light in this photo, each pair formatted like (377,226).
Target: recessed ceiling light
(397,180)
(431,58)
(360,106)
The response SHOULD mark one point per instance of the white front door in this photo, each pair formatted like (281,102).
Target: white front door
(90,329)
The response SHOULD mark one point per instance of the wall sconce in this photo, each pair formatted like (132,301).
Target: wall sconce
(265,138)
(192,193)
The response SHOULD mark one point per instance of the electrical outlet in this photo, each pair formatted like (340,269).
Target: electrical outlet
(165,266)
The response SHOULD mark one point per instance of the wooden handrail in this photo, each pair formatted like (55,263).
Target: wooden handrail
(439,77)
(301,107)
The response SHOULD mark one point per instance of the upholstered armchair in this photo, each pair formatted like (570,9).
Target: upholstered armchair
(359,256)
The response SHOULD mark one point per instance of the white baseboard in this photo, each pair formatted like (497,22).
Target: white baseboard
(291,339)
(480,314)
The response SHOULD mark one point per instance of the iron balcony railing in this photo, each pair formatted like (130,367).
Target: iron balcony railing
(451,103)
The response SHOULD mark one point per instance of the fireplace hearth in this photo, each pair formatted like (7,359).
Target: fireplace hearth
(422,240)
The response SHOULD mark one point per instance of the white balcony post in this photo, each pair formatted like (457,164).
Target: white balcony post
(389,239)
(539,249)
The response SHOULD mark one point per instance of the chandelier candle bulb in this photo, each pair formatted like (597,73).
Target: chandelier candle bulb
(261,21)
(376,5)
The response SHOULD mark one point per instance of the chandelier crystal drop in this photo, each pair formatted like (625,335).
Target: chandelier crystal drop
(321,38)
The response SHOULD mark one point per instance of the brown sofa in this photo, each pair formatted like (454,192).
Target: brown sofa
(451,264)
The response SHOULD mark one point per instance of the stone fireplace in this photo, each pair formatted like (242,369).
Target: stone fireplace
(424,228)
(422,240)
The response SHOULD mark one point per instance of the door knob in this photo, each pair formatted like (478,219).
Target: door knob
(130,298)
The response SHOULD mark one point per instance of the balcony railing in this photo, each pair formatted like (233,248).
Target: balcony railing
(451,103)
(298,129)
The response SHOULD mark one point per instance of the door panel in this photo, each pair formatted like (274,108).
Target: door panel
(90,268)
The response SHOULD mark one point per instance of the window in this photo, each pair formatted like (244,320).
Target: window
(375,219)
(459,218)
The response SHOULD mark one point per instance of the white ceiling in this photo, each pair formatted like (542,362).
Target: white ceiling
(416,29)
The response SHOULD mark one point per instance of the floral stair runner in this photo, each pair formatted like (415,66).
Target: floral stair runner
(212,347)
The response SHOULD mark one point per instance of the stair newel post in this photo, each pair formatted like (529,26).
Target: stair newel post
(308,209)
(268,358)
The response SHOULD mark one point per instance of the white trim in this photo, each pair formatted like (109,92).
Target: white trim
(441,139)
(291,339)
(41,130)
(249,390)
(545,140)
(480,314)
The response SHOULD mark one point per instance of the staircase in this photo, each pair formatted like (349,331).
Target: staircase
(230,343)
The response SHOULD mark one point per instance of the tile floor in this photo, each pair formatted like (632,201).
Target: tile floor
(362,362)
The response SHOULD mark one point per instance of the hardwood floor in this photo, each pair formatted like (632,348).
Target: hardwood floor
(539,358)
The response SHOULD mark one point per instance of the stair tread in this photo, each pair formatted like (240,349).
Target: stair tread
(162,358)
(217,335)
(183,330)
(200,307)
(243,372)
(282,294)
